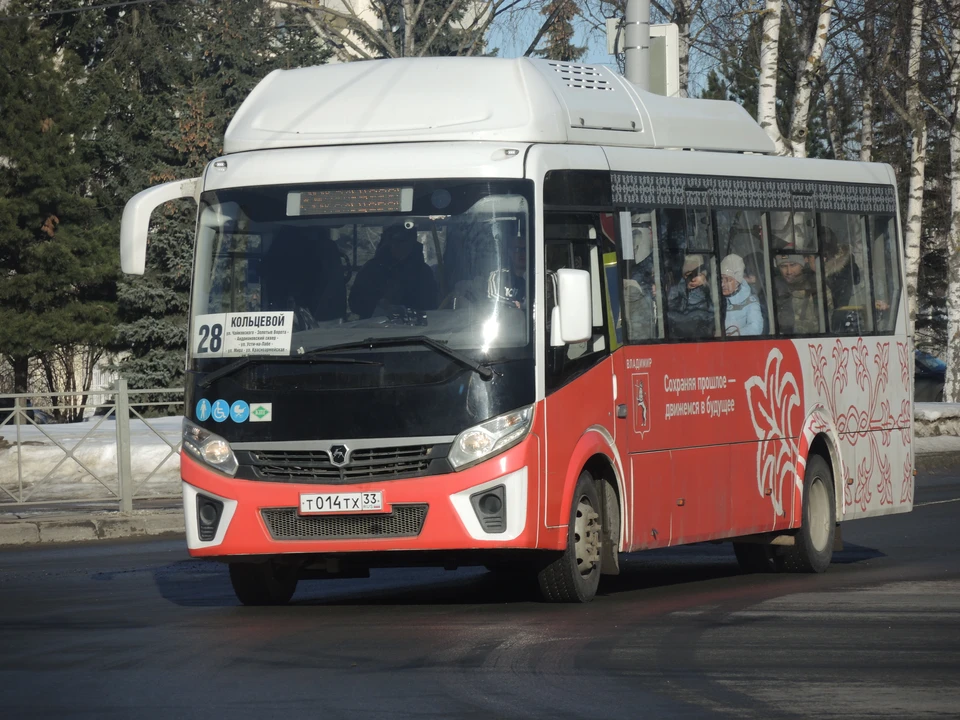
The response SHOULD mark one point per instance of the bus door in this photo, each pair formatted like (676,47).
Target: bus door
(578,377)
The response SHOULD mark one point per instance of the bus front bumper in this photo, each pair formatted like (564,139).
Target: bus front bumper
(438,512)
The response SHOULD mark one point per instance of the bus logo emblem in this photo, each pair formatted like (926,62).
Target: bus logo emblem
(338,455)
(641,408)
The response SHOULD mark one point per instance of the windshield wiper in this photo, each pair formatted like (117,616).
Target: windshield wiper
(238,365)
(483,370)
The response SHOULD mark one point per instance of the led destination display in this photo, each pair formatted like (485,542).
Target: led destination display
(350,201)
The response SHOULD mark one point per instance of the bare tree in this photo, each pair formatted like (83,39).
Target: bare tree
(403,28)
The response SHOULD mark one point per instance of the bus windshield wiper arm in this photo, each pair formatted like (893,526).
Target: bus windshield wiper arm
(305,359)
(483,370)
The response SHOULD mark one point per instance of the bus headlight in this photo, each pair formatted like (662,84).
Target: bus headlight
(490,437)
(208,448)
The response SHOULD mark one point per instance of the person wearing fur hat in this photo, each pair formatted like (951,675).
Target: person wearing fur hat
(689,307)
(743,315)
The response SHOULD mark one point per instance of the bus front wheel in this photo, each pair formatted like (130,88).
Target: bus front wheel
(265,583)
(812,550)
(574,575)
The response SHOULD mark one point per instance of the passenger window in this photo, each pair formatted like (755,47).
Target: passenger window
(845,268)
(689,272)
(641,270)
(744,265)
(885,271)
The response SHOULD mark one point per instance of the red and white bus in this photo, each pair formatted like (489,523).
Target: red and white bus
(521,314)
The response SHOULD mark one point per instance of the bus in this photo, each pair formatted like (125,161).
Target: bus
(521,314)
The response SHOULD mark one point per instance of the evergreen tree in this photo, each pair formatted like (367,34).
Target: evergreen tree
(173,75)
(559,33)
(56,263)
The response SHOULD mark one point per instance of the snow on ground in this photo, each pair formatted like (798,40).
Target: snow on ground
(78,461)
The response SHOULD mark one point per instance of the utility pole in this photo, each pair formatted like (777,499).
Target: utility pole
(636,43)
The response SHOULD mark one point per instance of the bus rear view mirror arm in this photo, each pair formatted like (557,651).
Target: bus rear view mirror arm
(571,320)
(136,220)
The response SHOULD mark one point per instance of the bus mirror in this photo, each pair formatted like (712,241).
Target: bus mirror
(571,320)
(136,220)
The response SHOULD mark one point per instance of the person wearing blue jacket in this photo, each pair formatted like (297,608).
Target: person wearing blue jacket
(743,314)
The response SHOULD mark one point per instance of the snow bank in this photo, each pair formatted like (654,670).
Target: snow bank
(935,419)
(78,461)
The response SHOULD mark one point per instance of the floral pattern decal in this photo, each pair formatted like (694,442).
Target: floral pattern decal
(858,401)
(775,410)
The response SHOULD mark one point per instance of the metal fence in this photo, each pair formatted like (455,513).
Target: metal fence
(122,451)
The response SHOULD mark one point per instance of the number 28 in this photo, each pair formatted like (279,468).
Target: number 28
(213,333)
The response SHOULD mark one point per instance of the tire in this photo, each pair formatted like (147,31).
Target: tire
(573,576)
(263,583)
(754,557)
(812,550)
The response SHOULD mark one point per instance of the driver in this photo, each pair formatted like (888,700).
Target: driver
(397,276)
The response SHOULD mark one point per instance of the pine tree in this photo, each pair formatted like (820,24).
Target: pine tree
(56,263)
(559,33)
(172,75)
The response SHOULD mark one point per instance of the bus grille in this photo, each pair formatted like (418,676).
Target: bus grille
(288,524)
(365,465)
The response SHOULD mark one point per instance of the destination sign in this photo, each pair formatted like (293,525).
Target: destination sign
(350,201)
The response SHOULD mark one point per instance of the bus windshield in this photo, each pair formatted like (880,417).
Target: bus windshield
(289,271)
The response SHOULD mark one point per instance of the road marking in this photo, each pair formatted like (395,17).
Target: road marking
(936,502)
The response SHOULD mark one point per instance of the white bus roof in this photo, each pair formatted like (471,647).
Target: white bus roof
(479,99)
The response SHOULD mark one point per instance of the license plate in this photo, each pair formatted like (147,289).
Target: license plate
(333,503)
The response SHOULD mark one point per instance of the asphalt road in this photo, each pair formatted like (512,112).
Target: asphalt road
(137,629)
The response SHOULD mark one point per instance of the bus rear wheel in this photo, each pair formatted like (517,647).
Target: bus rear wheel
(265,583)
(812,550)
(574,576)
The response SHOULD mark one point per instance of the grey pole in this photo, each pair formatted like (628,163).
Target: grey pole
(636,43)
(122,409)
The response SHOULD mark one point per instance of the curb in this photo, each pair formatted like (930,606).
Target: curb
(937,461)
(66,529)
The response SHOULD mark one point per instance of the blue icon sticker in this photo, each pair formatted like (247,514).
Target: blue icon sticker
(221,411)
(203,410)
(239,411)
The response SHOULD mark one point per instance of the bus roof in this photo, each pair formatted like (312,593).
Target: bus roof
(479,99)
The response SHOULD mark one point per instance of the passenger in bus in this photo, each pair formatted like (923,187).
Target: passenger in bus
(689,306)
(397,277)
(840,268)
(798,301)
(302,271)
(742,314)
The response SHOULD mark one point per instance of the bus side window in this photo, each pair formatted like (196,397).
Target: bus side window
(885,270)
(845,268)
(689,272)
(740,234)
(640,270)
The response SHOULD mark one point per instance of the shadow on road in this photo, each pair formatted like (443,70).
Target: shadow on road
(198,583)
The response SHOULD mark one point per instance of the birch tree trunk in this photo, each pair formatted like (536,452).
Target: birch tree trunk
(833,124)
(951,388)
(800,117)
(866,95)
(769,56)
(918,159)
